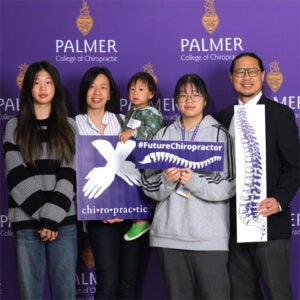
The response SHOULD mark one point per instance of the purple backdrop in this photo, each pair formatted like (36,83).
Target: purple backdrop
(166,38)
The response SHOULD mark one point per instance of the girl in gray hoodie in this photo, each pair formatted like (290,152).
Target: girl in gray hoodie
(190,228)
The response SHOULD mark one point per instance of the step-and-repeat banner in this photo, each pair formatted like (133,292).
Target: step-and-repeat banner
(166,38)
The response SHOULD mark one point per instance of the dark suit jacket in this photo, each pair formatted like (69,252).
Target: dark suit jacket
(282,163)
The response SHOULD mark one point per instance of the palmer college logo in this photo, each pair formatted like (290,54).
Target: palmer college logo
(149,68)
(274,77)
(210,19)
(84,21)
(20,77)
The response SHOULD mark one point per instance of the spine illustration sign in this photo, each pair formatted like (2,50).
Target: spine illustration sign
(250,172)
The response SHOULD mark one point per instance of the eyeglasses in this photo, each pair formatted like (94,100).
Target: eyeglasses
(252,72)
(195,97)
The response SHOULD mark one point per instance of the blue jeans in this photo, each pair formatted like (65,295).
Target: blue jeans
(60,257)
(117,262)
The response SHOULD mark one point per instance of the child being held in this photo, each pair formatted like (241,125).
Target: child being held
(141,122)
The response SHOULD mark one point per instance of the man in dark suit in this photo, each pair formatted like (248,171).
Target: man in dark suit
(266,261)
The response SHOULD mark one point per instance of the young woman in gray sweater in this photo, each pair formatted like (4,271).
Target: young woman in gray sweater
(190,230)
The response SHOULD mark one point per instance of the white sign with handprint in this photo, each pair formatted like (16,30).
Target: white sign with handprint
(108,184)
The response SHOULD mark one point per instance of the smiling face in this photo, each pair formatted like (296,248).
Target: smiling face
(139,94)
(247,87)
(191,103)
(98,93)
(43,90)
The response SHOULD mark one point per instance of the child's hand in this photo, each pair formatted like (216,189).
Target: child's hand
(125,135)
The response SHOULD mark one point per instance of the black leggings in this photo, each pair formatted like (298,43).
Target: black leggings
(117,261)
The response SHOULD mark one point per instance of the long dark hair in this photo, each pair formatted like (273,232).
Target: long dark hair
(86,82)
(61,136)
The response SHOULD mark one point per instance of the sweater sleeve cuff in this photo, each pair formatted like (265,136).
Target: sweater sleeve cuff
(49,224)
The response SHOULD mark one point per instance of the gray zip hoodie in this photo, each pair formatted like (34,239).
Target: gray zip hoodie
(200,222)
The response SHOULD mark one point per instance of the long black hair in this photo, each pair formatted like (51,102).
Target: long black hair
(61,136)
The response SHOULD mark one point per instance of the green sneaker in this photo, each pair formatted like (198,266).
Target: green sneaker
(136,231)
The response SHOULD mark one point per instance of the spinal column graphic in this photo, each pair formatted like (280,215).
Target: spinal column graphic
(251,192)
(178,161)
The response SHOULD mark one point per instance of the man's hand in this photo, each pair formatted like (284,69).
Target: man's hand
(268,206)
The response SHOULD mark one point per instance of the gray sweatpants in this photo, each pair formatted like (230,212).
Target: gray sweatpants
(195,274)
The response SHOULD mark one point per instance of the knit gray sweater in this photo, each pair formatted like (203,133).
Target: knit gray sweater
(41,196)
